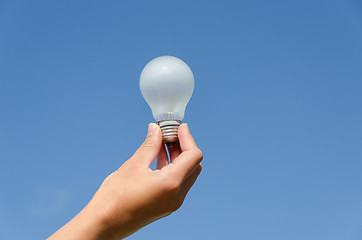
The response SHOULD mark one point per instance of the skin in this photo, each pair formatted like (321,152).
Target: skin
(134,195)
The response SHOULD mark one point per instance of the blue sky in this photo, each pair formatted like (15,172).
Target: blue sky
(276,110)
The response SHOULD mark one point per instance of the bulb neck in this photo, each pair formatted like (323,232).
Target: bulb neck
(169,129)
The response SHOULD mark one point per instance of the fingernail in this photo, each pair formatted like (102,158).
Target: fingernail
(151,129)
(186,125)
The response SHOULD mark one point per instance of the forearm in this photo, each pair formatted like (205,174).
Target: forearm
(86,225)
(95,222)
(134,195)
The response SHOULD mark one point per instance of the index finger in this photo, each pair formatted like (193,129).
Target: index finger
(191,155)
(186,140)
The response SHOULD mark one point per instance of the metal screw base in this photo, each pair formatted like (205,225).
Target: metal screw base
(169,129)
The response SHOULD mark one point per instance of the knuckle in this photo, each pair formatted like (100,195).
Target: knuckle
(198,154)
(171,191)
(199,168)
(176,205)
(170,186)
(148,143)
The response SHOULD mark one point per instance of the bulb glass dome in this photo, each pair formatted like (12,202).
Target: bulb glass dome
(167,84)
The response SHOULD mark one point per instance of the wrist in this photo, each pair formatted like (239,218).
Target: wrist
(87,224)
(107,220)
(114,221)
(91,222)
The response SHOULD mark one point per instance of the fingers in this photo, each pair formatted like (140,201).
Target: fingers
(189,182)
(186,140)
(191,156)
(187,162)
(162,158)
(174,151)
(150,148)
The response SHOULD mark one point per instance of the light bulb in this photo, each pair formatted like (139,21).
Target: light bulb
(167,84)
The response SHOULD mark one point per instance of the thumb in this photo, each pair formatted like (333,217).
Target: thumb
(150,148)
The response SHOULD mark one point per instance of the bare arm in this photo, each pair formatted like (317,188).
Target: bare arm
(134,195)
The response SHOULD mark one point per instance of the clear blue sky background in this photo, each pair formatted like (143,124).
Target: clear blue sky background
(276,110)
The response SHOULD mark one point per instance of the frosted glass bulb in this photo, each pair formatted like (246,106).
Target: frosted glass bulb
(167,84)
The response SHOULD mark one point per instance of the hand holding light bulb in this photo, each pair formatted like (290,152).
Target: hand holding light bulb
(167,84)
(134,195)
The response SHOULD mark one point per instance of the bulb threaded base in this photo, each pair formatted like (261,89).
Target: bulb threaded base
(169,129)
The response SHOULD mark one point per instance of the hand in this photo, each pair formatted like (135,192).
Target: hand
(134,195)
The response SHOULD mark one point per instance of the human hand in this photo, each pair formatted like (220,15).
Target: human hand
(134,195)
